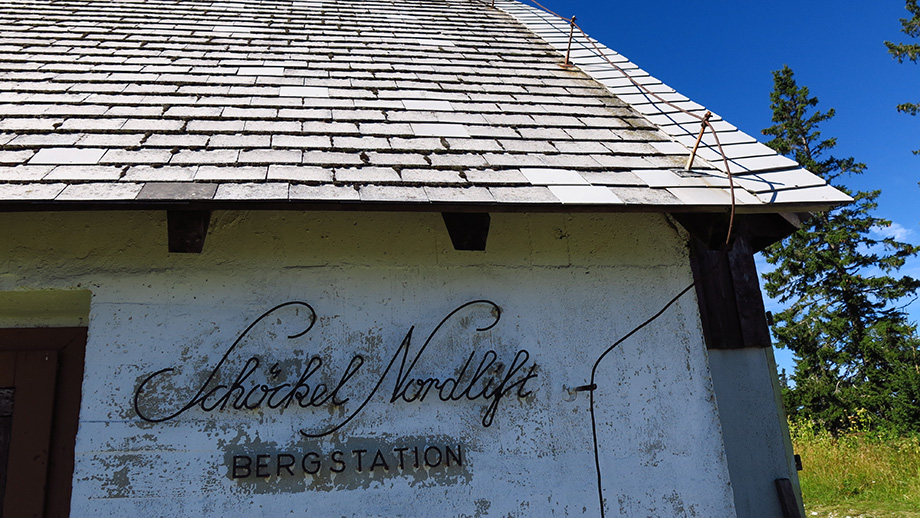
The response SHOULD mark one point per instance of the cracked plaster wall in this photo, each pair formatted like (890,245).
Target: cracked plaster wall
(567,285)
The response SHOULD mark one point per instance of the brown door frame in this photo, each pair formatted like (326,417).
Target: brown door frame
(48,377)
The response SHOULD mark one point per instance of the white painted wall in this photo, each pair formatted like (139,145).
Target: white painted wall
(568,286)
(756,440)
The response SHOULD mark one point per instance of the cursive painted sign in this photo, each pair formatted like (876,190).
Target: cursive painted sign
(480,377)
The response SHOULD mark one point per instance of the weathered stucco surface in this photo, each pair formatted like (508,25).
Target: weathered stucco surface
(567,287)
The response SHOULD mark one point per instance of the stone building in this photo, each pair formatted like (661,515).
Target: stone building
(361,258)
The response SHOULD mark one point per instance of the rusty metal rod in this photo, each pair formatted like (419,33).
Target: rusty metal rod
(568,51)
(698,140)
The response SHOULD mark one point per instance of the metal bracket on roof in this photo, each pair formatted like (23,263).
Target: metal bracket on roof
(187,230)
(468,230)
(699,139)
(568,52)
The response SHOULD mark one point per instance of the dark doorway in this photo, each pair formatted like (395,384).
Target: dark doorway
(41,377)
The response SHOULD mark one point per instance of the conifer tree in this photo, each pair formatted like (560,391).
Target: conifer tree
(857,354)
(909,51)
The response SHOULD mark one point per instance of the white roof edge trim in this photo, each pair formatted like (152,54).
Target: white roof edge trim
(555,31)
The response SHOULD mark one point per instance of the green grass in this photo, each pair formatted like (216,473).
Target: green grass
(860,474)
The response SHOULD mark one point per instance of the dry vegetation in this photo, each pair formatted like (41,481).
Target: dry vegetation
(859,474)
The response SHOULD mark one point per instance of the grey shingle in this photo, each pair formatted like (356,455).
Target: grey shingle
(431,177)
(299,173)
(305,114)
(252,191)
(580,146)
(542,176)
(331,158)
(204,126)
(480,145)
(231,173)
(427,105)
(75,124)
(99,191)
(48,139)
(301,141)
(523,195)
(32,191)
(439,130)
(82,173)
(323,193)
(145,156)
(466,160)
(273,126)
(818,195)
(177,191)
(644,196)
(371,98)
(612,178)
(493,177)
(492,131)
(124,140)
(304,91)
(774,180)
(710,196)
(417,144)
(393,193)
(584,194)
(384,129)
(611,161)
(361,143)
(270,156)
(146,173)
(24,173)
(193,157)
(67,156)
(161,140)
(248,113)
(666,178)
(527,146)
(16,157)
(362,175)
(153,125)
(188,112)
(334,128)
(459,195)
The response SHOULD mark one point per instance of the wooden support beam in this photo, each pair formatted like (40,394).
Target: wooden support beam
(187,230)
(728,292)
(468,230)
(762,230)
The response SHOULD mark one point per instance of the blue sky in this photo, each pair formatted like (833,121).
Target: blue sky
(721,54)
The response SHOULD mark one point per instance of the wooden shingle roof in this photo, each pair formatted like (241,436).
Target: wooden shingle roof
(371,104)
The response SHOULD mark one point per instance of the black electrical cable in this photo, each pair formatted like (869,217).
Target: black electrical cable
(705,124)
(592,386)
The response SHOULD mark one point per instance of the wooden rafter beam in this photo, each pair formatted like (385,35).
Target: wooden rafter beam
(187,230)
(468,230)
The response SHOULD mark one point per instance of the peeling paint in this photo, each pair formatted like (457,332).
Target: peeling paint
(567,285)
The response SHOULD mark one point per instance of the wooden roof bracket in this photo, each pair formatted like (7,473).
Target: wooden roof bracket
(761,230)
(727,288)
(468,230)
(187,230)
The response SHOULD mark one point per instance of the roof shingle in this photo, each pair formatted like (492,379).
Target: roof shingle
(343,100)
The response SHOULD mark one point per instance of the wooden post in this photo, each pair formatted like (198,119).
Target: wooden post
(468,231)
(187,230)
